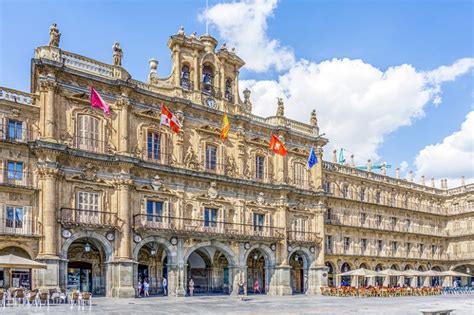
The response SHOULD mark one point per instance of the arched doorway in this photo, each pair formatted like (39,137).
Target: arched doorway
(363,281)
(299,272)
(256,283)
(20,277)
(378,279)
(209,269)
(408,279)
(345,280)
(436,280)
(393,280)
(331,279)
(467,269)
(86,268)
(420,280)
(152,266)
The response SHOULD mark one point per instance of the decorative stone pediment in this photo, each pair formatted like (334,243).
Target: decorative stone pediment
(299,151)
(209,129)
(260,141)
(148,113)
(89,173)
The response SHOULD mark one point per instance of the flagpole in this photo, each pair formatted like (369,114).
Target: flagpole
(207,19)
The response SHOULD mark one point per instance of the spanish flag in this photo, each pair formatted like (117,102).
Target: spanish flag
(225,127)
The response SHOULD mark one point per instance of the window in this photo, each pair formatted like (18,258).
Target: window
(329,215)
(433,249)
(299,174)
(154,210)
(88,133)
(392,200)
(327,187)
(377,197)
(394,246)
(210,217)
(258,220)
(211,157)
(259,167)
(422,248)
(228,90)
(378,219)
(88,201)
(363,217)
(329,243)
(379,245)
(347,243)
(345,191)
(14,217)
(15,170)
(154,145)
(363,243)
(362,194)
(408,247)
(393,221)
(408,223)
(15,130)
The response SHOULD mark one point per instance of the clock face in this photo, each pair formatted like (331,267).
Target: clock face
(211,103)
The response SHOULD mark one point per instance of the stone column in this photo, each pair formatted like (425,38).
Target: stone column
(197,71)
(317,171)
(123,105)
(47,87)
(48,175)
(318,272)
(123,265)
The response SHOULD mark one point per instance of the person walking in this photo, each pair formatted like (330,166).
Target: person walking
(146,288)
(139,288)
(191,287)
(241,289)
(256,286)
(164,282)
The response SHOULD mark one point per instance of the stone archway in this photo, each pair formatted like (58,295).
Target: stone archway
(260,262)
(16,277)
(210,265)
(331,273)
(466,269)
(300,259)
(85,263)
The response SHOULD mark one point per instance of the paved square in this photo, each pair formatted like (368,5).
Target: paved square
(463,304)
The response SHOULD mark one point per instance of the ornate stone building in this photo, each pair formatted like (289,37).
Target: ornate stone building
(106,200)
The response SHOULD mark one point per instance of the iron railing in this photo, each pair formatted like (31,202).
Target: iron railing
(70,217)
(18,226)
(197,227)
(302,236)
(17,135)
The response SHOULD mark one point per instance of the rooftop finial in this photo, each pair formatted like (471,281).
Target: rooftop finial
(281,107)
(54,35)
(463,182)
(193,34)
(181,30)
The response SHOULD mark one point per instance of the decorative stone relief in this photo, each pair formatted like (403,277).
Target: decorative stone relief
(157,182)
(261,198)
(231,167)
(212,191)
(190,159)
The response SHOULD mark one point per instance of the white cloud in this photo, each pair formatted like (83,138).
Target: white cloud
(452,158)
(357,103)
(243,25)
(404,166)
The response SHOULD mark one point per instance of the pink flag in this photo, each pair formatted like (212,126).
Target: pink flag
(98,102)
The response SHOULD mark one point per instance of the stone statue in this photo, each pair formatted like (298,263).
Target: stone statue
(190,159)
(54,35)
(313,120)
(181,31)
(247,103)
(193,34)
(231,167)
(281,107)
(117,54)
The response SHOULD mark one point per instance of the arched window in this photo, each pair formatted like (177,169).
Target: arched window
(228,90)
(185,81)
(298,175)
(207,79)
(88,133)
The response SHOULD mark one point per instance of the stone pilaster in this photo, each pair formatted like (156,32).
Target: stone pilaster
(123,105)
(47,88)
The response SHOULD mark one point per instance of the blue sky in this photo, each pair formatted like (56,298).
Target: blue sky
(382,34)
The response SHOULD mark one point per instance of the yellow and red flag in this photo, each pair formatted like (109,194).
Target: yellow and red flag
(277,146)
(225,127)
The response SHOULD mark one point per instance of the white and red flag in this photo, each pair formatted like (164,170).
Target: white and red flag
(98,102)
(170,120)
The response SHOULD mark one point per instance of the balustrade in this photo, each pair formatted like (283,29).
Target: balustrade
(71,217)
(16,96)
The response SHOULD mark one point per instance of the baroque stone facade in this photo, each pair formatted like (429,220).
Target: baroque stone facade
(108,200)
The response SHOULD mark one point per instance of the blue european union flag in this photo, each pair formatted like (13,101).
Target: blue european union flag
(312,159)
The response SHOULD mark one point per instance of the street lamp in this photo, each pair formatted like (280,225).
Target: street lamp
(87,247)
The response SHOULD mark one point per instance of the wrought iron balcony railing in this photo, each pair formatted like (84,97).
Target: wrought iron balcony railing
(17,134)
(197,227)
(71,217)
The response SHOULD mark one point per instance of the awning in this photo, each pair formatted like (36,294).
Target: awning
(362,272)
(12,261)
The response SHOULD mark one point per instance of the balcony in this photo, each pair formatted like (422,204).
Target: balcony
(202,228)
(17,135)
(89,144)
(187,84)
(19,227)
(385,253)
(71,217)
(17,178)
(302,237)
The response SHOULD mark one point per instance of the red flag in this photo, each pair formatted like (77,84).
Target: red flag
(277,146)
(98,102)
(170,120)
